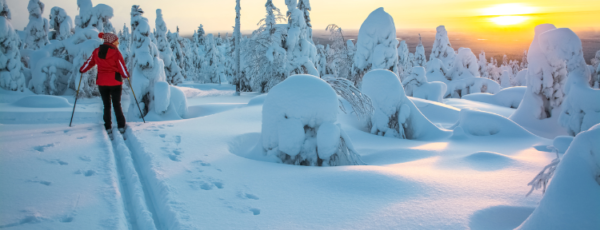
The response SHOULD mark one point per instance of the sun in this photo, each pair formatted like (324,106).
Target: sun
(508,14)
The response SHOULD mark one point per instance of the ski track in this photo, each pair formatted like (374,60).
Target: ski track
(136,199)
(147,197)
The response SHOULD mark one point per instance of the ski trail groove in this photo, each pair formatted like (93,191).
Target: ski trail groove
(138,204)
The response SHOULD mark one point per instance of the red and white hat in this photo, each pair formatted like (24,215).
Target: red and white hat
(108,37)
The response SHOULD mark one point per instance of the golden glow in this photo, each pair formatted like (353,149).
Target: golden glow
(436,146)
(508,20)
(508,9)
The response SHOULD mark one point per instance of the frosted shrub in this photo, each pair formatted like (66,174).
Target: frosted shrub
(394,114)
(299,125)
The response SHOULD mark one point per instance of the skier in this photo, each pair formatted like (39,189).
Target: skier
(111,71)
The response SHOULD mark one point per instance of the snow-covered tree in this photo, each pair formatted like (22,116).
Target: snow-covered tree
(580,109)
(266,59)
(442,49)
(544,94)
(483,70)
(464,65)
(211,67)
(11,68)
(198,54)
(156,97)
(420,58)
(94,16)
(172,70)
(595,79)
(124,43)
(299,125)
(416,85)
(174,43)
(301,52)
(505,79)
(322,60)
(60,23)
(524,62)
(341,61)
(395,115)
(37,29)
(237,38)
(404,64)
(376,45)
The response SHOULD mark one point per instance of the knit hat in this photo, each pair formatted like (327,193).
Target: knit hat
(108,37)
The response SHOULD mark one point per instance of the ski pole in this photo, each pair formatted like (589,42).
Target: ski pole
(76,95)
(136,101)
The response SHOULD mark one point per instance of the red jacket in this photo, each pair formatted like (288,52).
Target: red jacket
(111,66)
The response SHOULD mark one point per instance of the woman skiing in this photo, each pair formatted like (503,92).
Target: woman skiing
(111,71)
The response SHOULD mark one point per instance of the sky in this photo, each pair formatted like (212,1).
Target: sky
(456,15)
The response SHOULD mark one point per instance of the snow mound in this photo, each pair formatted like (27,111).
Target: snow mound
(258,100)
(488,161)
(572,200)
(499,217)
(562,143)
(42,101)
(394,114)
(299,124)
(479,123)
(509,97)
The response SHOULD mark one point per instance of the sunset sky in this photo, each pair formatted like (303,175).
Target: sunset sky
(458,15)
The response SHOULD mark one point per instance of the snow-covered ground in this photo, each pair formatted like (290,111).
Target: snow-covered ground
(200,172)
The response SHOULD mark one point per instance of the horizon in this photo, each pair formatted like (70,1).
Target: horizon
(510,19)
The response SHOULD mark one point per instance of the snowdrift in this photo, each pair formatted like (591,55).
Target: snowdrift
(479,123)
(509,97)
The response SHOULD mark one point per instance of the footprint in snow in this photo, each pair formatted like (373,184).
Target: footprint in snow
(209,184)
(41,148)
(47,183)
(177,139)
(55,161)
(81,137)
(255,211)
(85,158)
(162,135)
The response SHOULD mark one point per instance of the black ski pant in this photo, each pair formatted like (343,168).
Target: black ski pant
(107,93)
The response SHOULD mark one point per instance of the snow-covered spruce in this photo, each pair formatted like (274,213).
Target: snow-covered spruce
(11,68)
(416,85)
(37,29)
(124,43)
(376,45)
(571,200)
(211,65)
(341,60)
(79,48)
(442,49)
(94,16)
(544,93)
(176,47)
(172,70)
(404,65)
(266,59)
(60,23)
(420,58)
(301,52)
(580,109)
(395,115)
(483,70)
(299,125)
(156,97)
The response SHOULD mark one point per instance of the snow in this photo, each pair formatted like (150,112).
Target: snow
(42,101)
(416,85)
(475,181)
